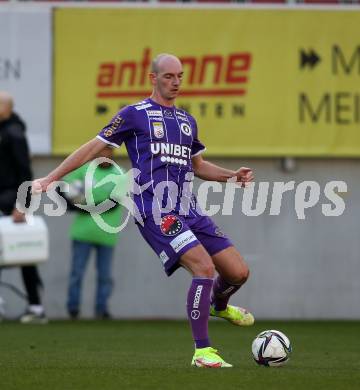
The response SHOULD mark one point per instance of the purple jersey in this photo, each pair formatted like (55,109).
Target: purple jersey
(160,142)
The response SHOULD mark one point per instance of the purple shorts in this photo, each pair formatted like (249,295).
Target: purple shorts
(177,234)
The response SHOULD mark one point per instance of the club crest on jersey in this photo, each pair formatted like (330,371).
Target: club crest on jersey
(170,225)
(158,128)
(185,129)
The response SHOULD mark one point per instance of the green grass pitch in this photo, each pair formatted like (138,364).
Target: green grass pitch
(156,355)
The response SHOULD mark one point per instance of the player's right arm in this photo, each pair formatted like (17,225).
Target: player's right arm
(114,134)
(78,158)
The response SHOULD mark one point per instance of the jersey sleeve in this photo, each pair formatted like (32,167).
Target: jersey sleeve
(197,147)
(119,129)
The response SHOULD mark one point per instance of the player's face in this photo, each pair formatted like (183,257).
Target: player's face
(168,80)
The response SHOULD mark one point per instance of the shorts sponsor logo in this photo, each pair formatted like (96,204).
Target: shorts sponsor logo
(158,129)
(195,314)
(186,129)
(163,257)
(143,106)
(197,297)
(170,225)
(182,240)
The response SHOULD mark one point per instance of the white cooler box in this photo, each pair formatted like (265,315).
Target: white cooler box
(23,243)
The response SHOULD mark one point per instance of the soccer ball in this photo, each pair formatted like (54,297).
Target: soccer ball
(271,348)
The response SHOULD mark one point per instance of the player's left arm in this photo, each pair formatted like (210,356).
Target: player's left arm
(208,171)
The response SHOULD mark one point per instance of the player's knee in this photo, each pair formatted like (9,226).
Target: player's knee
(246,274)
(241,275)
(206,269)
(198,262)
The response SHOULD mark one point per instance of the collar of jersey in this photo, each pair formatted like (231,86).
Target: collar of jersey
(160,105)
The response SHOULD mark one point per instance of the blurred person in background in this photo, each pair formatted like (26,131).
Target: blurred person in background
(15,168)
(87,236)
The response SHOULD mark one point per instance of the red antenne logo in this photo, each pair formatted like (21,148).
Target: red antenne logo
(129,78)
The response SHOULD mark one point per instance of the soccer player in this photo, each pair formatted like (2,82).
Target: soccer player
(162,142)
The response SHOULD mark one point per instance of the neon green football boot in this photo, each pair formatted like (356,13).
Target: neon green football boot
(208,358)
(235,315)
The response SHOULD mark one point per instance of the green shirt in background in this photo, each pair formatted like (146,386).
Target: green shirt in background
(83,227)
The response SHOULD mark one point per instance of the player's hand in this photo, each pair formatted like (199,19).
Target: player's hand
(40,185)
(18,216)
(244,175)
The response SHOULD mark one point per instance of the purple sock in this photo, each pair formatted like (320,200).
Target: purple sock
(222,291)
(198,305)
